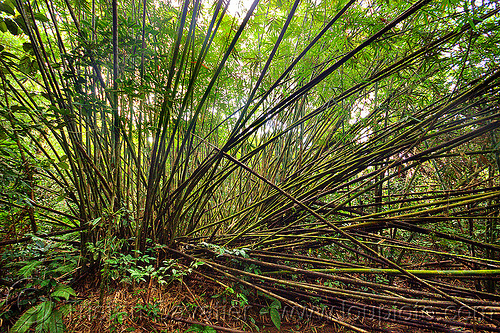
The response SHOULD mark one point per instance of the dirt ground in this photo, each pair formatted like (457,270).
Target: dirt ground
(182,306)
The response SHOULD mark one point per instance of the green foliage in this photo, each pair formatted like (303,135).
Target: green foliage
(27,319)
(222,250)
(241,300)
(200,329)
(57,260)
(252,268)
(47,316)
(63,291)
(37,296)
(226,295)
(151,310)
(273,311)
(127,268)
(117,319)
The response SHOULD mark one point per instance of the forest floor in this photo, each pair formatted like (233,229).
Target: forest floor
(183,306)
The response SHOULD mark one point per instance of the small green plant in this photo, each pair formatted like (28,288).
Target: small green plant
(252,268)
(117,318)
(222,250)
(46,316)
(138,268)
(38,298)
(189,306)
(151,310)
(333,284)
(253,324)
(174,271)
(241,300)
(273,312)
(225,295)
(200,329)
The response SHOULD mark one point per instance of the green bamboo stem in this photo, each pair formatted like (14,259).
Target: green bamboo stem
(452,255)
(486,273)
(218,267)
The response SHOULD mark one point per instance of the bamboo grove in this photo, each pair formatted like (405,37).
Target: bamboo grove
(351,147)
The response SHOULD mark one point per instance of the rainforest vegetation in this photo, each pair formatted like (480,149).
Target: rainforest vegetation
(292,165)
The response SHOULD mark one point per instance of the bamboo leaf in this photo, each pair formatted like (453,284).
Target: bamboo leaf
(41,17)
(21,24)
(11,26)
(7,8)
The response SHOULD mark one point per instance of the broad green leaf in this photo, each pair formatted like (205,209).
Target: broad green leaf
(275,304)
(21,24)
(65,309)
(26,320)
(54,323)
(63,165)
(40,17)
(27,47)
(63,291)
(44,313)
(11,26)
(275,317)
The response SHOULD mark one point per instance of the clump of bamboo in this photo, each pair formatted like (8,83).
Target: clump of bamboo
(376,214)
